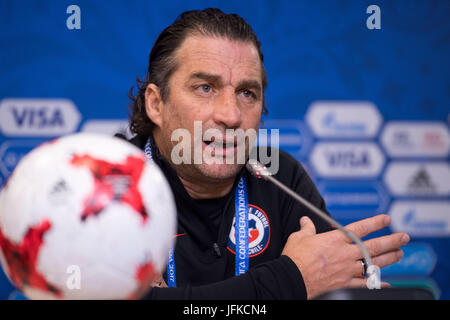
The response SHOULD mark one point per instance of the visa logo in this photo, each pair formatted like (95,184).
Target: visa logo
(348,159)
(38,117)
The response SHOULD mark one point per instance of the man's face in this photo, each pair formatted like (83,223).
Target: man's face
(217,82)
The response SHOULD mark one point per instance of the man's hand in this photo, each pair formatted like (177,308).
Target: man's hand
(331,261)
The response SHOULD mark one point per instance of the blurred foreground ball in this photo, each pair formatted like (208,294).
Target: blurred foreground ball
(85,217)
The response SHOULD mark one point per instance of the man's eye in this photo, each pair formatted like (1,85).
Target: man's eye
(205,88)
(248,94)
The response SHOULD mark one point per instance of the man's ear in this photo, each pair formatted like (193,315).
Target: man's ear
(154,104)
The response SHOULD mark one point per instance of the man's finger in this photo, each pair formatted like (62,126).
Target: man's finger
(381,245)
(387,259)
(361,282)
(307,227)
(365,227)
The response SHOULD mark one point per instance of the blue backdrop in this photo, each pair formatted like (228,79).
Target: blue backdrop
(365,110)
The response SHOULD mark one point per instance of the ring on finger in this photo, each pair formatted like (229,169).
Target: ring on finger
(364,266)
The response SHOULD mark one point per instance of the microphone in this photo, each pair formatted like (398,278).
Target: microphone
(373,271)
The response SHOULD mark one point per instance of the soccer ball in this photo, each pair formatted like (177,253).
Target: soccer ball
(85,217)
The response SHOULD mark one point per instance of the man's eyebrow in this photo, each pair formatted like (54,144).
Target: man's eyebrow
(205,76)
(250,84)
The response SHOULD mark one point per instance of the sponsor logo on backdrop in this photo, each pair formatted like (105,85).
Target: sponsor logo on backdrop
(421,218)
(294,137)
(418,178)
(11,152)
(419,259)
(354,200)
(342,119)
(416,139)
(38,117)
(347,159)
(109,127)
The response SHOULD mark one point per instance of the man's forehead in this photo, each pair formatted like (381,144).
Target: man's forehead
(218,55)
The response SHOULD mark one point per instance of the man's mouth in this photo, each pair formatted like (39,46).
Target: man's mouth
(221,143)
(219,147)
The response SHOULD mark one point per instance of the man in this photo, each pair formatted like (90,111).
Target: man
(208,67)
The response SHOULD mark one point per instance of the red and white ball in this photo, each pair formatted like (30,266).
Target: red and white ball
(85,217)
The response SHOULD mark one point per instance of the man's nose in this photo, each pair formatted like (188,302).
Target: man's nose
(227,111)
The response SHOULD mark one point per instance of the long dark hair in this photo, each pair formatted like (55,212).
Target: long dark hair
(162,63)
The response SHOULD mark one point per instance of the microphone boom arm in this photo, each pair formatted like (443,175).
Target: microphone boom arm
(260,171)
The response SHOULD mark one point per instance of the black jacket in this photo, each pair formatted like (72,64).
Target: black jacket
(204,252)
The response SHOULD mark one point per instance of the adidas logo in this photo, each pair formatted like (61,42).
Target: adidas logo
(421,183)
